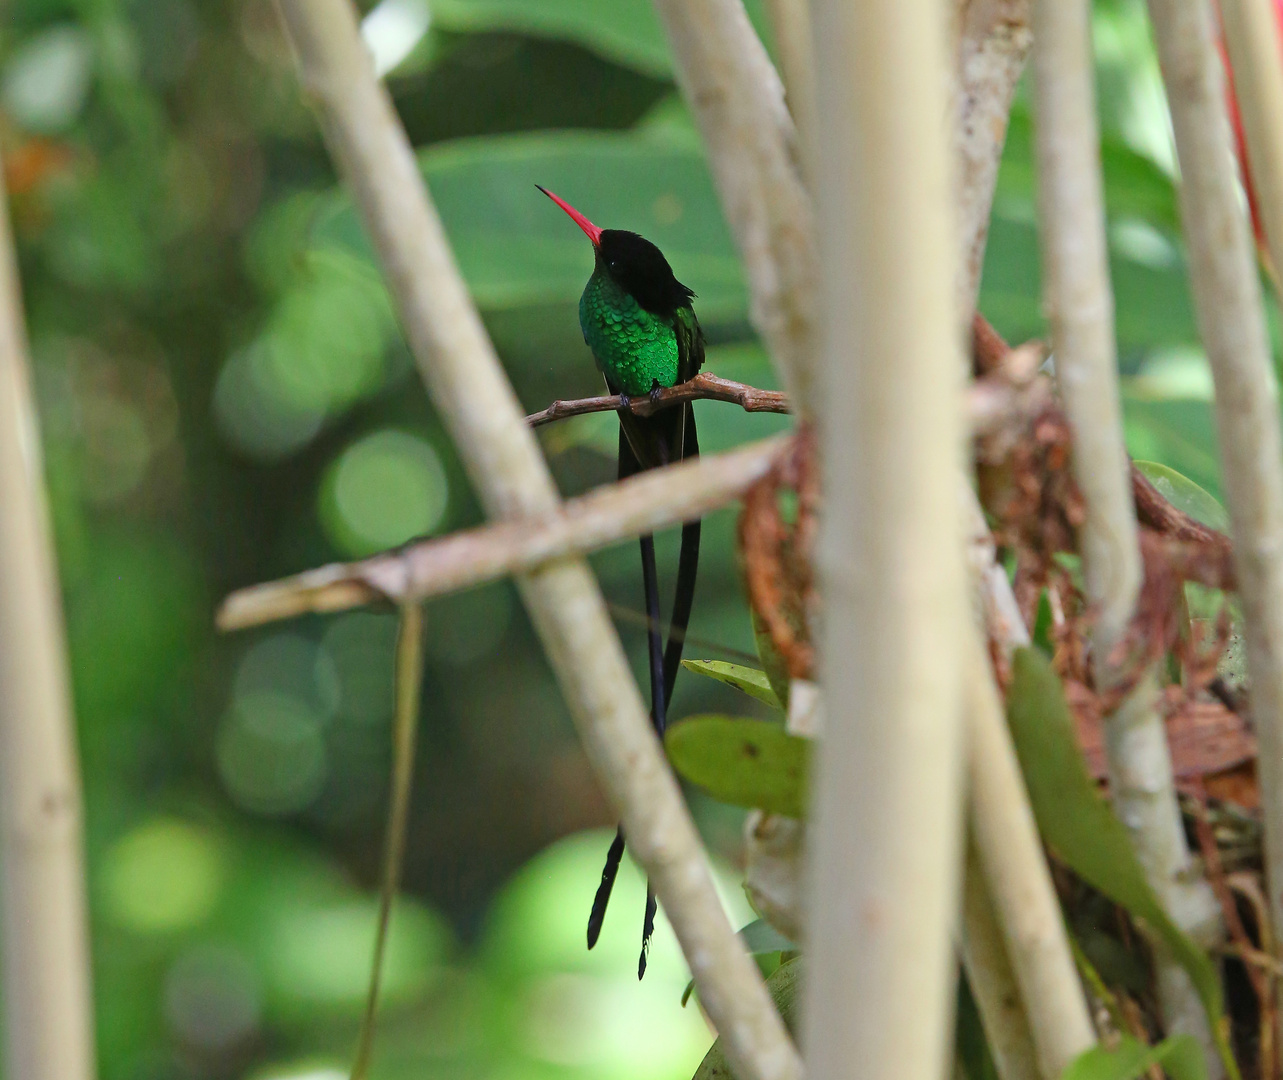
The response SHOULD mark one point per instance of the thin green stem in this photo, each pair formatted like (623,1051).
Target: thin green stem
(409,681)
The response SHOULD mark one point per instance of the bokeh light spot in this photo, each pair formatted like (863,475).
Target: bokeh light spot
(464,627)
(361,644)
(46,82)
(271,753)
(382,491)
(321,956)
(166,875)
(212,998)
(117,445)
(254,415)
(294,666)
(305,1071)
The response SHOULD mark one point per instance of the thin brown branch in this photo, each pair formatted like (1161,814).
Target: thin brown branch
(704,387)
(652,500)
(737,101)
(1004,400)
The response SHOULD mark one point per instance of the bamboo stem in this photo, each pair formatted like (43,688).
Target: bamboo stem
(644,503)
(48,1016)
(791,26)
(993,42)
(993,983)
(886,831)
(477,404)
(1080,307)
(1079,302)
(1227,301)
(737,100)
(1252,35)
(1018,881)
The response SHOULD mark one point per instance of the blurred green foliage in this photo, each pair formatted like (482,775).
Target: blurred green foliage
(225,398)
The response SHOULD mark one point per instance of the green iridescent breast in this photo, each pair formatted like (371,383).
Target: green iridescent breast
(633,348)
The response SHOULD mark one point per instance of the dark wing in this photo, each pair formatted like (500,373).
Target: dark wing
(690,344)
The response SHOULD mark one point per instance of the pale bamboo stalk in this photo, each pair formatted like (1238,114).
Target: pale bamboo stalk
(1079,303)
(1227,300)
(652,500)
(476,402)
(993,42)
(1252,37)
(1015,871)
(737,101)
(1080,307)
(48,1017)
(791,26)
(993,983)
(996,608)
(886,829)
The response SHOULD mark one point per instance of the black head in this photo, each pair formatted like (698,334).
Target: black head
(642,271)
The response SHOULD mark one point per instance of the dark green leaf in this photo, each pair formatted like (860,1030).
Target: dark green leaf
(516,249)
(1080,826)
(1179,1056)
(1043,624)
(751,681)
(1134,185)
(752,763)
(625,31)
(970,1043)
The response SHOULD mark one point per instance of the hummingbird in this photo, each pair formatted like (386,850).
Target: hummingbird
(639,323)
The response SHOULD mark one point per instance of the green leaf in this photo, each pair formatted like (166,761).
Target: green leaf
(625,31)
(773,665)
(971,1046)
(1043,625)
(764,942)
(1185,495)
(752,763)
(1179,432)
(1134,185)
(1179,1056)
(759,936)
(751,681)
(1076,822)
(784,987)
(517,250)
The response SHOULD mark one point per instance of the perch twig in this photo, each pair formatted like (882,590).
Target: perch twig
(703,387)
(649,501)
